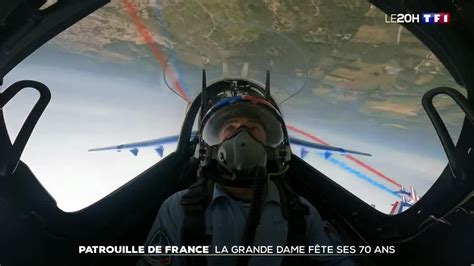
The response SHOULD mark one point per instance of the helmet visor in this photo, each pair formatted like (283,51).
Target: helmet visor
(260,122)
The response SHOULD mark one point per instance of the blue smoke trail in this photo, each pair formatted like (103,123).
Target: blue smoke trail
(359,174)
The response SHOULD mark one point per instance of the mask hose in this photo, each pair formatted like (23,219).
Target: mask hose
(255,213)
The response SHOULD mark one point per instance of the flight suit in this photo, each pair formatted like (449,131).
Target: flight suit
(225,221)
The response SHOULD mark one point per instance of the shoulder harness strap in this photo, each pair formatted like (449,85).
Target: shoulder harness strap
(193,231)
(294,211)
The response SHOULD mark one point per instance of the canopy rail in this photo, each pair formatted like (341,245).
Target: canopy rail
(11,151)
(457,161)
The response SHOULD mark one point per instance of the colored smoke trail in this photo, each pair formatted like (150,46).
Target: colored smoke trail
(350,157)
(359,174)
(131,9)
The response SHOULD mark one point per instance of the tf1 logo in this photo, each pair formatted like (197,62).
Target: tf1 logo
(424,18)
(436,18)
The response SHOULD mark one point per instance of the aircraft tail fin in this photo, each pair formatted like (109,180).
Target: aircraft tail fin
(225,70)
(245,70)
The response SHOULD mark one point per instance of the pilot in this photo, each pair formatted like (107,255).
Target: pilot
(241,196)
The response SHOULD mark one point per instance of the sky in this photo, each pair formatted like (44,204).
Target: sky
(90,110)
(86,111)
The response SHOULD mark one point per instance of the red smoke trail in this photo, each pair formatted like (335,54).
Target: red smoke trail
(131,9)
(350,157)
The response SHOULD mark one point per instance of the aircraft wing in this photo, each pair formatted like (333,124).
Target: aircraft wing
(136,146)
(158,145)
(305,145)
